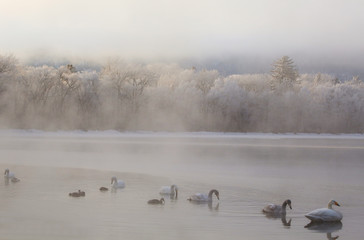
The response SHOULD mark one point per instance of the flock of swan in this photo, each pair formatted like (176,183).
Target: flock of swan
(318,215)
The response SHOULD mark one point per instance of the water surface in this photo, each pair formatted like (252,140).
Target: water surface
(248,171)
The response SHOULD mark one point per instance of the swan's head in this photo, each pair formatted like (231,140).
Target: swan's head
(216,193)
(288,202)
(113,179)
(333,202)
(6,171)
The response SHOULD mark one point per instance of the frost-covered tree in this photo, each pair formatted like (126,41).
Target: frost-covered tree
(129,96)
(88,100)
(7,67)
(37,83)
(129,81)
(284,73)
(66,87)
(356,81)
(205,80)
(318,79)
(229,105)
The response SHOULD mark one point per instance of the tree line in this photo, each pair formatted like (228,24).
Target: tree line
(166,97)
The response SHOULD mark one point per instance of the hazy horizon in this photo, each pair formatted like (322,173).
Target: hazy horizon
(321,36)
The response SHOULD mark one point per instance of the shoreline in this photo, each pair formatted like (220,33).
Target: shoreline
(117,134)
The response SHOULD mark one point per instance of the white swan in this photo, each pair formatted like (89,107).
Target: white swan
(117,183)
(275,209)
(8,175)
(325,214)
(202,197)
(169,190)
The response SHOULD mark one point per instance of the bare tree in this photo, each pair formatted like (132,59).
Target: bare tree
(38,83)
(66,86)
(8,65)
(129,82)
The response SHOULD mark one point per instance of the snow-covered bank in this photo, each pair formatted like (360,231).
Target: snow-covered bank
(117,134)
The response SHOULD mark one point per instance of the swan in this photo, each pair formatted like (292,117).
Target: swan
(275,209)
(104,189)
(8,174)
(156,201)
(202,197)
(117,183)
(325,214)
(169,190)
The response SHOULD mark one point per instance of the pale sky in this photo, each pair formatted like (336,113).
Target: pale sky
(181,28)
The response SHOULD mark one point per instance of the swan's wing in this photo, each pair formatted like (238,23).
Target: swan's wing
(118,184)
(121,184)
(270,208)
(199,197)
(10,175)
(165,190)
(324,214)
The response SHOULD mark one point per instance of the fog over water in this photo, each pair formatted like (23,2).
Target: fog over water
(249,171)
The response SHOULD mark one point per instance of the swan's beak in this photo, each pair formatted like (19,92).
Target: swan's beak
(337,204)
(290,206)
(218,197)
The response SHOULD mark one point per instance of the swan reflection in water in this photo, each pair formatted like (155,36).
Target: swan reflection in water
(325,227)
(213,207)
(285,223)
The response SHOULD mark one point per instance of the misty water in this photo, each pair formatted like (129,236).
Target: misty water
(249,171)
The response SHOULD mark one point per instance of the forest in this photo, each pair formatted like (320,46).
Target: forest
(127,96)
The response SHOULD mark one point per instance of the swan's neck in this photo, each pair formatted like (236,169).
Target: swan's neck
(211,192)
(174,190)
(284,206)
(329,206)
(113,181)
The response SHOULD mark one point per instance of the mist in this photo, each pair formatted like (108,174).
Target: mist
(326,32)
(181,66)
(132,96)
